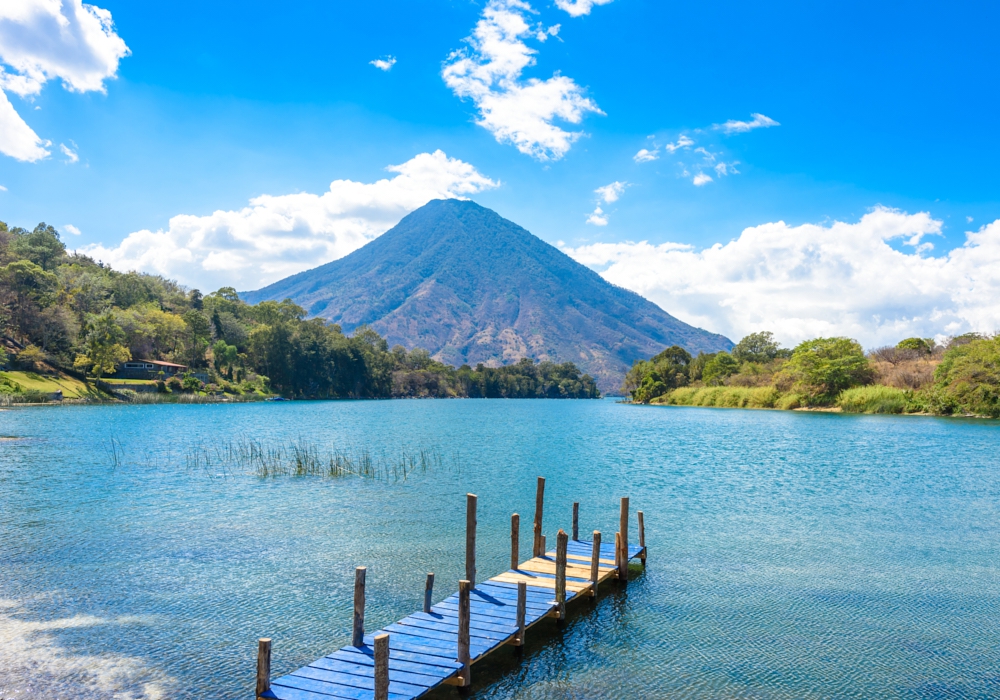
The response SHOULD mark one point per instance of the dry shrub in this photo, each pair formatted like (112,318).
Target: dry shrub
(906,374)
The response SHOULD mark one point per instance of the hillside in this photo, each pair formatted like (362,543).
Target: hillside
(470,286)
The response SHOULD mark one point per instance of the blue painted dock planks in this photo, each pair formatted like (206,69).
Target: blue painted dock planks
(423,646)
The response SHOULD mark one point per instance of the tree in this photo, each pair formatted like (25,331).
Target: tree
(199,332)
(31,357)
(968,378)
(103,344)
(917,345)
(225,357)
(42,246)
(756,347)
(720,367)
(830,365)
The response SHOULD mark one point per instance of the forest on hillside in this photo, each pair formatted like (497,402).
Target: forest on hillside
(917,375)
(64,312)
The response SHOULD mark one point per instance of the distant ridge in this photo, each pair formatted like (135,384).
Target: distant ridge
(470,286)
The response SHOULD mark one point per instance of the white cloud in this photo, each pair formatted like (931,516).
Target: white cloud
(384,64)
(71,156)
(2,188)
(17,139)
(70,228)
(611,193)
(759,121)
(645,155)
(42,40)
(968,219)
(578,8)
(819,280)
(682,142)
(701,179)
(516,111)
(597,218)
(276,236)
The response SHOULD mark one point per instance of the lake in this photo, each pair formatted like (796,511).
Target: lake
(791,555)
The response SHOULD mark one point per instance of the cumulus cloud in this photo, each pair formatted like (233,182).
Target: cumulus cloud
(578,8)
(611,193)
(516,111)
(276,236)
(872,280)
(2,188)
(597,217)
(70,228)
(701,179)
(645,155)
(759,121)
(384,64)
(681,142)
(44,40)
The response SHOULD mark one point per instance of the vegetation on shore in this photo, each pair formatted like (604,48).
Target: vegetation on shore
(66,318)
(959,377)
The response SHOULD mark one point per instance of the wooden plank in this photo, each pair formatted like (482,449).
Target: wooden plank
(539,582)
(353,681)
(358,667)
(496,607)
(450,630)
(405,642)
(399,660)
(366,671)
(543,566)
(446,644)
(501,594)
(327,690)
(477,622)
(533,613)
(284,692)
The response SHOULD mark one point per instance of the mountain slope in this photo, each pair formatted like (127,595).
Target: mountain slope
(469,286)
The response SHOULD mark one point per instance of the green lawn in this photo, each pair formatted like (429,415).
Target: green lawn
(71,388)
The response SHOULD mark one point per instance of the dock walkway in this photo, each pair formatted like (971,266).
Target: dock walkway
(425,649)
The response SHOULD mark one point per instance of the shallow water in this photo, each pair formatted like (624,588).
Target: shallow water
(791,555)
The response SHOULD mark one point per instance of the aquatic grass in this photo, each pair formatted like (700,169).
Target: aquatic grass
(304,458)
(723,397)
(874,399)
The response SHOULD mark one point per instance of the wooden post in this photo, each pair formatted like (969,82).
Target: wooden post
(561,541)
(539,548)
(623,528)
(642,539)
(595,563)
(576,522)
(620,558)
(428,592)
(515,545)
(263,666)
(464,617)
(358,639)
(522,609)
(544,548)
(470,538)
(381,667)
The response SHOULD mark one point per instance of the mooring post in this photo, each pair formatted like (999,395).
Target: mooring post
(642,540)
(522,609)
(358,639)
(620,562)
(263,666)
(470,538)
(576,522)
(595,563)
(623,528)
(428,592)
(544,548)
(538,549)
(562,540)
(381,667)
(515,534)
(464,617)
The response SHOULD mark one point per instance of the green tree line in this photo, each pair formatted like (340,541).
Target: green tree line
(66,310)
(918,375)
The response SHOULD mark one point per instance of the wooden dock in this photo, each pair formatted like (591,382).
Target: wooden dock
(439,645)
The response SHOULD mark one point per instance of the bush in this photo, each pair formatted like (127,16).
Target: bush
(174,384)
(874,399)
(191,383)
(968,379)
(720,367)
(723,397)
(161,387)
(827,366)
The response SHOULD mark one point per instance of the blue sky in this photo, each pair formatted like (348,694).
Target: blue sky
(872,104)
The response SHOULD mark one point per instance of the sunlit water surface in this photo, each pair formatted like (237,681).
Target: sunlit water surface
(790,555)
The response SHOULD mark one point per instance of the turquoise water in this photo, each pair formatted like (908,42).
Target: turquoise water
(790,555)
